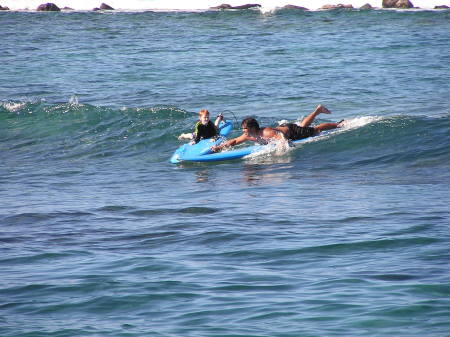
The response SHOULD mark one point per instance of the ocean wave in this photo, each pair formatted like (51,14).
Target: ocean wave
(74,130)
(71,130)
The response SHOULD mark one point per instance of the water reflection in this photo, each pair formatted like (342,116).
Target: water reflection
(202,176)
(257,174)
(267,168)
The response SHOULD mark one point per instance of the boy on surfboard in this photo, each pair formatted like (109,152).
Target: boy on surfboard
(290,131)
(204,128)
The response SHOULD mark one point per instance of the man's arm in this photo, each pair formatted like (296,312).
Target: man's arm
(232,142)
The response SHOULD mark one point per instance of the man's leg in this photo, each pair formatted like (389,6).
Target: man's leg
(325,126)
(310,118)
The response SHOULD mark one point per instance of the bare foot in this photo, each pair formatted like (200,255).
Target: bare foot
(321,109)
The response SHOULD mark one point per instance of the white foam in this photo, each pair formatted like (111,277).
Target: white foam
(12,106)
(357,122)
(274,148)
(267,5)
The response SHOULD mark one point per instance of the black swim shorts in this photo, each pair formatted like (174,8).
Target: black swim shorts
(296,132)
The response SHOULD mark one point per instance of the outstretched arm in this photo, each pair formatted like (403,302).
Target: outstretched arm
(232,142)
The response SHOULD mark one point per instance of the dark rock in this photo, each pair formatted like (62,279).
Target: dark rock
(106,7)
(68,9)
(295,7)
(397,4)
(96,9)
(48,7)
(366,7)
(227,6)
(441,7)
(248,6)
(339,6)
(4,8)
(222,6)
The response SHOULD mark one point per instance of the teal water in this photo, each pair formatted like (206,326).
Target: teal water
(346,235)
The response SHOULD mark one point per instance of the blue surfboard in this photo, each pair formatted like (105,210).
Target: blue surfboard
(203,147)
(233,154)
(238,153)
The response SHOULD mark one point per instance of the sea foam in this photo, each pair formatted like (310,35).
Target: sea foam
(13,106)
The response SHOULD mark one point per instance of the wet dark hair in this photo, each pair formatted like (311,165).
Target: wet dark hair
(250,123)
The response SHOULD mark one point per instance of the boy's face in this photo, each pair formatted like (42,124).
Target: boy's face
(204,119)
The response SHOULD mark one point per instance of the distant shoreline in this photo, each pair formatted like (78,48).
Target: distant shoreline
(200,10)
(163,6)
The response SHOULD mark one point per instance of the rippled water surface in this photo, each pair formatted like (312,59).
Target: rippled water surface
(345,235)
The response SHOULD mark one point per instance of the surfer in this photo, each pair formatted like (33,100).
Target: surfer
(204,128)
(290,131)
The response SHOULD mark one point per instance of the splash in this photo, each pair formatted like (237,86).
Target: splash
(357,122)
(14,106)
(275,148)
(73,100)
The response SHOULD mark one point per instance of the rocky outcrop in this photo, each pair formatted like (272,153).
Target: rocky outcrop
(295,7)
(227,6)
(48,7)
(339,6)
(441,7)
(248,6)
(4,8)
(366,7)
(104,6)
(397,4)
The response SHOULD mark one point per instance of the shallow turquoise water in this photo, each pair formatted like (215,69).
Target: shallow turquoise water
(345,236)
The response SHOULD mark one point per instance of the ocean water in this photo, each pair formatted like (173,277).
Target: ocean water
(346,235)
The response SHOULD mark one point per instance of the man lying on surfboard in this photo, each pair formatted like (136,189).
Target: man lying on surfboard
(290,131)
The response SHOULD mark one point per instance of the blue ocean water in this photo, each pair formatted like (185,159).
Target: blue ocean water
(346,235)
